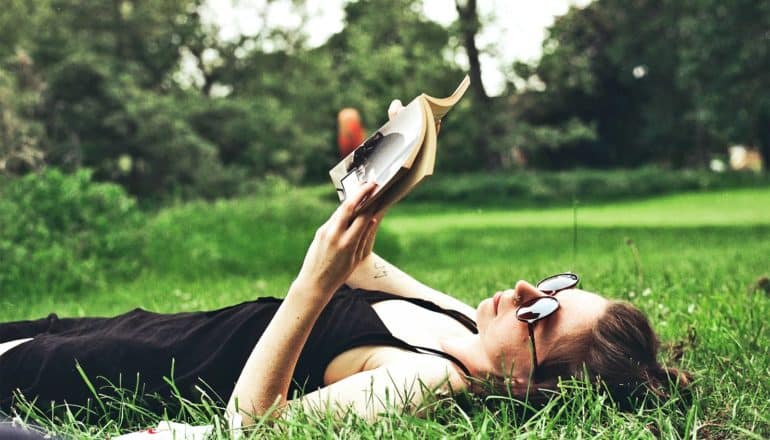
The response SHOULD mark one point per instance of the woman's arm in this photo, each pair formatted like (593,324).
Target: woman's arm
(374,273)
(401,384)
(339,245)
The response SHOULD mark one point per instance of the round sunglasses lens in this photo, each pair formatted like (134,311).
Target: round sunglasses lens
(557,282)
(539,309)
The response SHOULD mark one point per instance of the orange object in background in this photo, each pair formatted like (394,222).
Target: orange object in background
(350,130)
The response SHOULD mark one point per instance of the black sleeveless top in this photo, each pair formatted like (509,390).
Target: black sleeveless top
(200,352)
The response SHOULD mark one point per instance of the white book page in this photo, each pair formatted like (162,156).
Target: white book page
(393,147)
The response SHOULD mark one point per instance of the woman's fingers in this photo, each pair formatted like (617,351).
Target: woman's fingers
(394,107)
(346,212)
(367,241)
(356,232)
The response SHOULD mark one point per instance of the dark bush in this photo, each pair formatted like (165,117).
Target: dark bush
(62,233)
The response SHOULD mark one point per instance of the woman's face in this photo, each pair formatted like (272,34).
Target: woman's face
(505,339)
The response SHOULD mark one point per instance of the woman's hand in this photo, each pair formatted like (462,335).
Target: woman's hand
(339,245)
(396,106)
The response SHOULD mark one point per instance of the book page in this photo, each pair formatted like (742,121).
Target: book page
(423,164)
(398,155)
(382,156)
(440,106)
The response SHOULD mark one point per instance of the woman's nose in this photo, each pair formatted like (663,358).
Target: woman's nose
(526,292)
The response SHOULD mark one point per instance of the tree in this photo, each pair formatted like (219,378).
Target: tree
(469,26)
(660,80)
(726,63)
(140,38)
(386,50)
(21,134)
(106,96)
(487,117)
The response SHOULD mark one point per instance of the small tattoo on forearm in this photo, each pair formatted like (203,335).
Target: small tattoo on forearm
(381,272)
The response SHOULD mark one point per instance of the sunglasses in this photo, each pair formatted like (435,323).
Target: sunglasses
(544,306)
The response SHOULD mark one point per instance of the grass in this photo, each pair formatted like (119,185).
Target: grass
(692,262)
(743,207)
(525,187)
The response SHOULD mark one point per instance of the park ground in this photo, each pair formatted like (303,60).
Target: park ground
(696,263)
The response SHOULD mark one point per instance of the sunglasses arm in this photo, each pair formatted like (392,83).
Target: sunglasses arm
(531,328)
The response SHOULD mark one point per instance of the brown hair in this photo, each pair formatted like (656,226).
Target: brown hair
(619,354)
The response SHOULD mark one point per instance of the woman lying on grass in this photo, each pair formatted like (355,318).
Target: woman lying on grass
(354,332)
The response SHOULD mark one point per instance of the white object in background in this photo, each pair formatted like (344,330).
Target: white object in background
(737,157)
(745,159)
(717,165)
(170,431)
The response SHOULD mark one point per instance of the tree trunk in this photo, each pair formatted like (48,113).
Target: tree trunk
(469,27)
(764,150)
(482,103)
(762,124)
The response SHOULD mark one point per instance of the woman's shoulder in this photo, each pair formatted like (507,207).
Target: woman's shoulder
(434,372)
(427,368)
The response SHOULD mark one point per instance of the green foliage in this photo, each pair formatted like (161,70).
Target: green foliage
(524,188)
(118,101)
(571,133)
(379,62)
(661,81)
(730,100)
(106,96)
(166,154)
(294,97)
(139,38)
(258,138)
(20,132)
(63,233)
(257,237)
(148,95)
(127,134)
(251,237)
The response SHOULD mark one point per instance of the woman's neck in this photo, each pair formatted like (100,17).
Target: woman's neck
(469,351)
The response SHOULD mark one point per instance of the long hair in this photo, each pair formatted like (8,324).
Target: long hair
(619,354)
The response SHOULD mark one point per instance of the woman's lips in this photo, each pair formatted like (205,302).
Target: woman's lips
(496,300)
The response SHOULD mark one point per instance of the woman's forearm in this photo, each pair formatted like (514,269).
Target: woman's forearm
(338,247)
(266,376)
(374,273)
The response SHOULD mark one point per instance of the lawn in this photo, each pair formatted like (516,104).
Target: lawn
(693,262)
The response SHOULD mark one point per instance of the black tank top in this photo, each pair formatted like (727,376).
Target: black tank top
(203,352)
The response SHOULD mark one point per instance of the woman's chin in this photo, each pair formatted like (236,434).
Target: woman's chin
(485,310)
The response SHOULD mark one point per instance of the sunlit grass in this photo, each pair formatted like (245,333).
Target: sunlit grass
(699,257)
(723,208)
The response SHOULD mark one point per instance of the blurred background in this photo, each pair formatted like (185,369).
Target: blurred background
(112,111)
(196,98)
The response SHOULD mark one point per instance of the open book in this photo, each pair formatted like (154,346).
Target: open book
(398,155)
